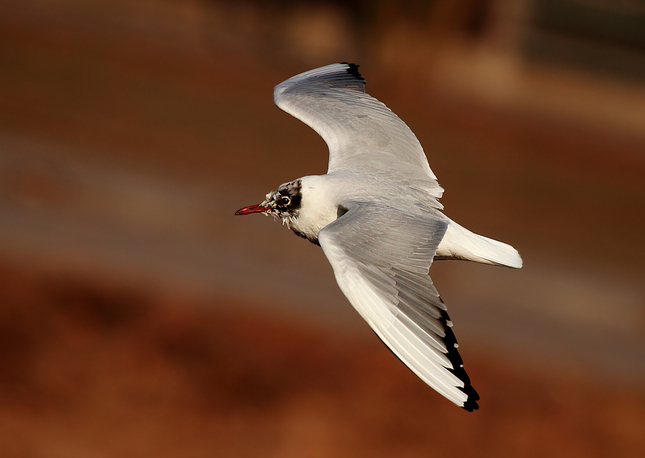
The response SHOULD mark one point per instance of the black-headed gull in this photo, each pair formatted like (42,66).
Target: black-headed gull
(377,217)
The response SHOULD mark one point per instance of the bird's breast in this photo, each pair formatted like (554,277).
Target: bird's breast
(310,221)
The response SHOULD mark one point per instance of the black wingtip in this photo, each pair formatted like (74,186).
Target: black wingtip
(458,364)
(470,406)
(473,397)
(353,70)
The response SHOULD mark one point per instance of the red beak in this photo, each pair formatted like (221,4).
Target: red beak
(251,209)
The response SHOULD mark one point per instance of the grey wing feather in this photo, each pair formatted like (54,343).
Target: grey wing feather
(381,258)
(361,132)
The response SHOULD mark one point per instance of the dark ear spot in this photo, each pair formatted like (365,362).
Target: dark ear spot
(340,211)
(295,201)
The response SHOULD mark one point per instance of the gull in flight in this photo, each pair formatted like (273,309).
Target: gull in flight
(377,217)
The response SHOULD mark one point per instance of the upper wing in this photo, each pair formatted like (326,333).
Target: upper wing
(381,258)
(361,132)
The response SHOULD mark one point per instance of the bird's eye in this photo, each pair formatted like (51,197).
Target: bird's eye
(285,200)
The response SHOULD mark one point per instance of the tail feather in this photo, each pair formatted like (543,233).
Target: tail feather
(460,243)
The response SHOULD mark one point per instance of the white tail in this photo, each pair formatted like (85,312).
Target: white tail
(460,243)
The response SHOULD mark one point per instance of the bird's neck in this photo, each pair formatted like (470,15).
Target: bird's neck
(318,207)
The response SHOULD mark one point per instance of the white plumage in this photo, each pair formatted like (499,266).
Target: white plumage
(377,217)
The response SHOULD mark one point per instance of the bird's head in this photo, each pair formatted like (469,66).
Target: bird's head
(284,203)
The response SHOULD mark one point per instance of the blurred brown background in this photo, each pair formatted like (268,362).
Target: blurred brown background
(139,318)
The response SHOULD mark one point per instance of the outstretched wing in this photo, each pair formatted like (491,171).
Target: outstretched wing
(381,258)
(362,133)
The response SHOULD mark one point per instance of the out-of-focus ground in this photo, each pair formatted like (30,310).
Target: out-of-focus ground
(139,318)
(101,370)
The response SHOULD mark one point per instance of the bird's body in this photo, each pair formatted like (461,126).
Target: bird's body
(323,195)
(377,217)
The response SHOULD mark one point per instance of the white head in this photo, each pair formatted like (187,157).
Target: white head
(305,206)
(284,203)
